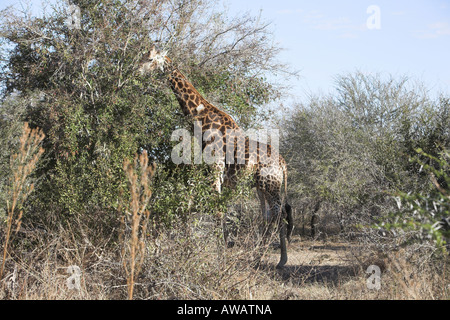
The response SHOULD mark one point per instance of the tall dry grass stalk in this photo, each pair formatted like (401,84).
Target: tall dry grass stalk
(136,215)
(22,165)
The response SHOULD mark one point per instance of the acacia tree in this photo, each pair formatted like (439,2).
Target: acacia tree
(96,110)
(331,172)
(350,153)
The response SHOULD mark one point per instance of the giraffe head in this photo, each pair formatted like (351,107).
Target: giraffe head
(152,60)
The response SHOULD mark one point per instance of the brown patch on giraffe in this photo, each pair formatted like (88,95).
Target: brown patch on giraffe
(191,104)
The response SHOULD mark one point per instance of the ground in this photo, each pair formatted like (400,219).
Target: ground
(315,270)
(337,270)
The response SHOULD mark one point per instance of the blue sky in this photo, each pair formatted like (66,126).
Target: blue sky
(324,38)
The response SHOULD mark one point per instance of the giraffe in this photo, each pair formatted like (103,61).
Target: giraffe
(268,167)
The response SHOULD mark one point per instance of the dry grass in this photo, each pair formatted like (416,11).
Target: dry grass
(22,164)
(139,176)
(186,263)
(191,261)
(333,270)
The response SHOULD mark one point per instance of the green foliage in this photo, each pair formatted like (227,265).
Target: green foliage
(425,213)
(186,190)
(350,152)
(96,110)
(330,161)
(239,99)
(11,123)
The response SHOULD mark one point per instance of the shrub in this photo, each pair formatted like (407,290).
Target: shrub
(426,215)
(96,110)
(22,165)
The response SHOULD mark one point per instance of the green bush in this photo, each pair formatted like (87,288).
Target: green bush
(96,110)
(426,215)
(349,152)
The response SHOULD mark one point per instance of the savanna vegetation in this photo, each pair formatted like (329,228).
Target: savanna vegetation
(92,207)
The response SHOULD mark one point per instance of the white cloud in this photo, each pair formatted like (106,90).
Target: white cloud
(348,35)
(435,30)
(312,17)
(286,11)
(289,11)
(333,24)
(441,28)
(317,20)
(398,13)
(344,25)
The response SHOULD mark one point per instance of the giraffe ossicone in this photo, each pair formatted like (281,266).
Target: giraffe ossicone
(217,129)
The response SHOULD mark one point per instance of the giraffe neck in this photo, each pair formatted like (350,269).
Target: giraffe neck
(195,106)
(191,101)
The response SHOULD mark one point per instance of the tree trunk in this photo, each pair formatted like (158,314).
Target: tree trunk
(314,220)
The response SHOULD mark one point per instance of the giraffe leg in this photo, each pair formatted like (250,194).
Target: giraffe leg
(219,173)
(278,219)
(263,203)
(265,212)
(283,248)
